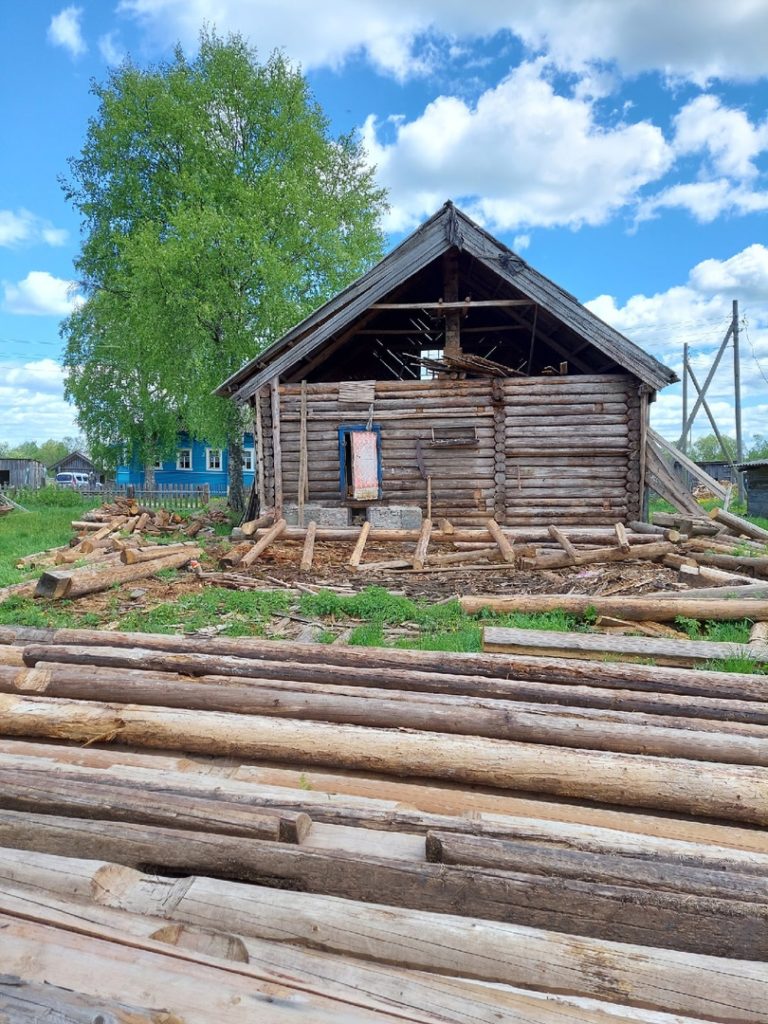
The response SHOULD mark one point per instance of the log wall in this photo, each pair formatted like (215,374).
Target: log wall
(551,449)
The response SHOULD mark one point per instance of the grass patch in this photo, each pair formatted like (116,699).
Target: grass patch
(26,611)
(718,632)
(242,612)
(441,627)
(739,663)
(46,525)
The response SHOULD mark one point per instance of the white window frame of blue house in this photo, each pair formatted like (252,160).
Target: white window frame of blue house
(179,453)
(208,466)
(248,456)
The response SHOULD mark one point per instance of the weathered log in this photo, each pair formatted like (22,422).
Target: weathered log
(727,791)
(758,634)
(661,733)
(565,544)
(601,868)
(748,591)
(234,555)
(19,791)
(357,553)
(263,543)
(249,528)
(405,669)
(57,585)
(638,608)
(610,912)
(77,680)
(738,525)
(627,648)
(450,945)
(476,554)
(131,556)
(757,565)
(308,551)
(621,537)
(504,545)
(420,554)
(612,554)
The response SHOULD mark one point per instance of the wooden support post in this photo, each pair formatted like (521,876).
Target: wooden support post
(505,547)
(621,537)
(420,554)
(277,454)
(258,429)
(564,543)
(499,452)
(452,345)
(303,454)
(309,547)
(357,554)
(261,545)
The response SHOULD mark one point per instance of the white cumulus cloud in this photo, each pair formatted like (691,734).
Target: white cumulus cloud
(64,30)
(698,313)
(20,227)
(40,294)
(522,156)
(32,400)
(693,39)
(110,49)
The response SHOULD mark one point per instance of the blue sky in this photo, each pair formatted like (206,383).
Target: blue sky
(625,162)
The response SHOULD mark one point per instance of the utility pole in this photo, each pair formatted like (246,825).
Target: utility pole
(684,435)
(737,394)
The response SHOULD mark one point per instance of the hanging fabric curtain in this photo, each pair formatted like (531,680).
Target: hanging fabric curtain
(365,465)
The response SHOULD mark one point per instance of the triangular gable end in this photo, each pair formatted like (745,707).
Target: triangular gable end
(512,313)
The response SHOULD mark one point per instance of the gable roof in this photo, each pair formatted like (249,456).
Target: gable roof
(448,228)
(71,455)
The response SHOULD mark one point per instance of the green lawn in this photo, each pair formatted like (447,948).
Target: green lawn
(45,525)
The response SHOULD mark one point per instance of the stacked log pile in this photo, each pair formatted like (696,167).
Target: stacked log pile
(153,856)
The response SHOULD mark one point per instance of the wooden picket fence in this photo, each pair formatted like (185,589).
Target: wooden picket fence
(174,496)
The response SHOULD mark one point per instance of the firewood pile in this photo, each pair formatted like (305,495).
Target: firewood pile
(132,517)
(191,827)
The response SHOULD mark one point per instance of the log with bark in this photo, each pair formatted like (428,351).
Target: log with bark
(727,791)
(57,585)
(655,608)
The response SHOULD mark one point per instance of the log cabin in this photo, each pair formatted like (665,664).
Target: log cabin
(454,378)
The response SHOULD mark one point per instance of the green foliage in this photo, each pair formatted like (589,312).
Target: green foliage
(707,448)
(218,211)
(51,497)
(759,447)
(718,632)
(48,452)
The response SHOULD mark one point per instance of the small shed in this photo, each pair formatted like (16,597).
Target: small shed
(455,377)
(756,484)
(77,462)
(22,473)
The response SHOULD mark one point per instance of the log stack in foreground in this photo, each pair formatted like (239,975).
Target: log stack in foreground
(436,822)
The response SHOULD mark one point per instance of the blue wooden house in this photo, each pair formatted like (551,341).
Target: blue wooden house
(193,464)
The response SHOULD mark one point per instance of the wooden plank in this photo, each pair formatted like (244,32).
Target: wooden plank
(738,525)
